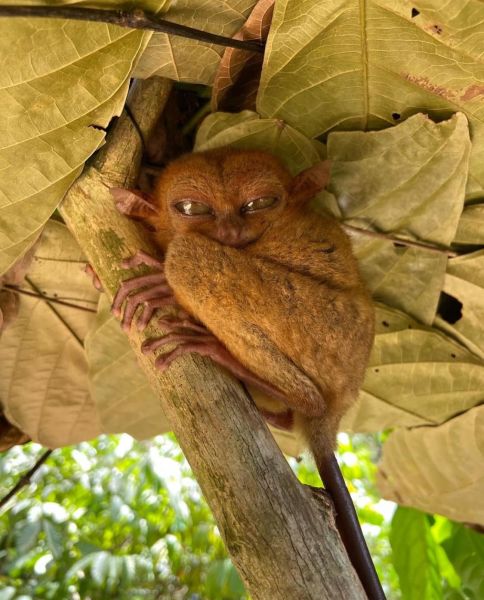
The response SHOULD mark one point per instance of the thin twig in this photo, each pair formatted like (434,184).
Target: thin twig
(25,292)
(401,241)
(132,19)
(25,479)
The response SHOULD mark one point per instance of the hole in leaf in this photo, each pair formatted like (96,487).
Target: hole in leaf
(449,308)
(385,324)
(415,13)
(453,355)
(396,116)
(377,370)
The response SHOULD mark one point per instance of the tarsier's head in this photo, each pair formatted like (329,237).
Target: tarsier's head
(232,196)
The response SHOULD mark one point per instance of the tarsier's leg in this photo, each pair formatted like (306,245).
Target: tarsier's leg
(189,337)
(234,308)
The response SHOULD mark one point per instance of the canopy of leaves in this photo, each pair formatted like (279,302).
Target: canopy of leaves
(126,519)
(436,558)
(44,382)
(433,469)
(60,85)
(332,71)
(112,519)
(189,60)
(342,64)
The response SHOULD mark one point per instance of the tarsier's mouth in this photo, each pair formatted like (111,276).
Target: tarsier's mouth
(283,420)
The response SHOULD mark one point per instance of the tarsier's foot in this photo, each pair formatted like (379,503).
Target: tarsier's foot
(151,291)
(188,335)
(191,336)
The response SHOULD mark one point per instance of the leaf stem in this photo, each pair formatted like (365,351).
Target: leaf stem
(25,292)
(132,19)
(396,240)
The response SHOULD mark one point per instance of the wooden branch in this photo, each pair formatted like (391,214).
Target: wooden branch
(282,545)
(131,19)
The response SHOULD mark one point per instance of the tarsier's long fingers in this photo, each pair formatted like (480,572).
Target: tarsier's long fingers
(165,360)
(208,345)
(155,293)
(150,308)
(182,321)
(135,283)
(175,337)
(142,258)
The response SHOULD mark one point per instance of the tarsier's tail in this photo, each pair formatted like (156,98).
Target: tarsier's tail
(319,435)
(350,529)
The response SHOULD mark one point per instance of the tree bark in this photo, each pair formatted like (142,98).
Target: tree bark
(283,544)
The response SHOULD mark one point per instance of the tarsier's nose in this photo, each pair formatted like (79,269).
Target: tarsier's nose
(230,232)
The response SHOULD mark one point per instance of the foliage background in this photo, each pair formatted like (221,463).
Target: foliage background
(87,530)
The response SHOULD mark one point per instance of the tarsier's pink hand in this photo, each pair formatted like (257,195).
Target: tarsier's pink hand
(189,336)
(151,291)
(96,282)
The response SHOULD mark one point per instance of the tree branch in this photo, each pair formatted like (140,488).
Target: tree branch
(131,19)
(279,541)
(25,479)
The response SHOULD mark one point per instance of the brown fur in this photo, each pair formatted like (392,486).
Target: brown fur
(279,287)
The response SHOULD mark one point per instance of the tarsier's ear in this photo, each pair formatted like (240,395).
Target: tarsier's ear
(311,181)
(135,204)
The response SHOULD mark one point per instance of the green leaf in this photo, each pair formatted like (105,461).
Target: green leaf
(7,593)
(216,577)
(115,572)
(347,65)
(407,181)
(54,537)
(246,130)
(129,569)
(124,399)
(464,281)
(43,368)
(438,469)
(234,583)
(471,226)
(415,555)
(27,535)
(100,567)
(60,83)
(416,376)
(188,60)
(466,551)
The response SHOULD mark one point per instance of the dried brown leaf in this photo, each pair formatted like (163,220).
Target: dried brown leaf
(237,79)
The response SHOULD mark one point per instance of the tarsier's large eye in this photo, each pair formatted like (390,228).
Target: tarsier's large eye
(193,209)
(260,203)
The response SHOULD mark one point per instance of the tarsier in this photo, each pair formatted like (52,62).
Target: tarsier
(265,287)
